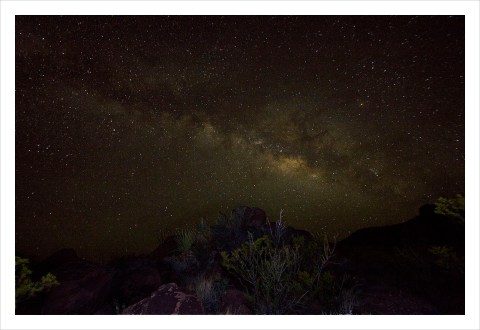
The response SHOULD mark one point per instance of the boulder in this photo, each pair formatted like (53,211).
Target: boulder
(169,299)
(254,217)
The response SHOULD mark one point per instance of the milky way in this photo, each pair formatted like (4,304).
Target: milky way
(130,126)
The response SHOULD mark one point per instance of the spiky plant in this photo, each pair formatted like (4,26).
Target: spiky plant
(184,239)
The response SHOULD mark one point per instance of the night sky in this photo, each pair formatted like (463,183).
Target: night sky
(129,126)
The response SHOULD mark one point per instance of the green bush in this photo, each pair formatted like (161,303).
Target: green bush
(453,208)
(336,295)
(268,273)
(25,287)
(316,255)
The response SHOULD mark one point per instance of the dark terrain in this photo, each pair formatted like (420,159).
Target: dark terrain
(415,267)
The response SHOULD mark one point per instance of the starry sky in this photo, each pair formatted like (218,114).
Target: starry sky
(129,126)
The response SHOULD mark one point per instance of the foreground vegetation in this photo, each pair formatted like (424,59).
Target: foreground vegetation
(244,264)
(280,271)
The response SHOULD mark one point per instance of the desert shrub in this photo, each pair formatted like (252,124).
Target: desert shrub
(337,295)
(315,256)
(209,291)
(184,239)
(278,230)
(184,263)
(184,267)
(453,208)
(203,232)
(325,251)
(203,243)
(268,273)
(348,300)
(25,287)
(204,288)
(448,260)
(279,274)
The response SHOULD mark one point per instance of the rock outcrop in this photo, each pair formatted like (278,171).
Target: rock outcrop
(168,299)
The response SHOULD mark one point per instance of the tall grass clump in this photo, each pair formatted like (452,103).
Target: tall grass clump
(184,239)
(326,253)
(203,232)
(278,230)
(209,291)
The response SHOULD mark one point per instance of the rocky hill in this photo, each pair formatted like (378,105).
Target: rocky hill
(246,265)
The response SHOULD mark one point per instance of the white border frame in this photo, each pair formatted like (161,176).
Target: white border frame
(10,8)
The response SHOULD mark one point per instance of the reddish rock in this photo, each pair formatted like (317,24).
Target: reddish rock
(168,299)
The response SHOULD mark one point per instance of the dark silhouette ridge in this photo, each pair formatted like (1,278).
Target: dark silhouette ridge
(392,269)
(428,228)
(400,258)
